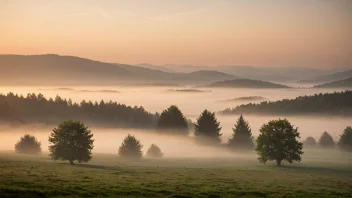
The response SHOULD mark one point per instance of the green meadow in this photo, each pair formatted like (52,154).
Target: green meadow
(320,174)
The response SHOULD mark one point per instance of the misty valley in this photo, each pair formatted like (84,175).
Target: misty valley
(130,115)
(176,99)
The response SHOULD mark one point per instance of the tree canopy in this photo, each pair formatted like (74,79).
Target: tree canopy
(345,141)
(326,140)
(71,140)
(242,136)
(278,140)
(37,109)
(309,142)
(172,120)
(154,151)
(28,144)
(207,128)
(131,148)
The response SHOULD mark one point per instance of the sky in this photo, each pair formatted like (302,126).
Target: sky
(302,33)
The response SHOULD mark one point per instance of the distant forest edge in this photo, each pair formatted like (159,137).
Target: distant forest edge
(337,104)
(37,109)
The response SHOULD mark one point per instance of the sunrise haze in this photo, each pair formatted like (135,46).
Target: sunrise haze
(199,32)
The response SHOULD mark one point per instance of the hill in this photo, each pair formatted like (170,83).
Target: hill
(338,103)
(54,69)
(346,83)
(246,83)
(329,78)
(273,74)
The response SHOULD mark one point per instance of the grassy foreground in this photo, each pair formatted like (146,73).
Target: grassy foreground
(107,176)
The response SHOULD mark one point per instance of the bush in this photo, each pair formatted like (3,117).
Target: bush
(278,141)
(131,148)
(71,140)
(326,140)
(345,142)
(154,151)
(28,144)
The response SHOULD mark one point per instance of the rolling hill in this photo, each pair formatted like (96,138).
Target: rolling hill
(54,69)
(346,83)
(329,78)
(245,83)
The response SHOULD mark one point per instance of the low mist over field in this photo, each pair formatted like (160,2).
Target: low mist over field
(155,99)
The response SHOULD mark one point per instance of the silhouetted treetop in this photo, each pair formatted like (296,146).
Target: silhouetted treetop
(36,108)
(345,141)
(131,148)
(208,128)
(173,121)
(309,142)
(242,136)
(326,140)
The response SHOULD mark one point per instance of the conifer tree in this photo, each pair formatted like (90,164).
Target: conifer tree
(131,148)
(345,142)
(242,135)
(326,140)
(207,128)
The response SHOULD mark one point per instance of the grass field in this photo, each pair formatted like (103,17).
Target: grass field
(320,174)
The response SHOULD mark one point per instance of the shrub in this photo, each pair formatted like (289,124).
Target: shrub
(28,144)
(154,151)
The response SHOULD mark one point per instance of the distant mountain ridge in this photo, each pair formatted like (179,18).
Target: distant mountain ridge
(276,74)
(51,69)
(346,83)
(329,78)
(246,83)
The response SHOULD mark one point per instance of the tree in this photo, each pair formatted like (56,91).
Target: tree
(28,144)
(326,140)
(172,120)
(278,141)
(154,151)
(345,141)
(71,140)
(242,135)
(310,142)
(131,148)
(207,128)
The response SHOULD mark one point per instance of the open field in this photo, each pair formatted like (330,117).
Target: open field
(320,174)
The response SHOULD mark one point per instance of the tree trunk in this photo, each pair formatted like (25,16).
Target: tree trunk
(278,162)
(71,162)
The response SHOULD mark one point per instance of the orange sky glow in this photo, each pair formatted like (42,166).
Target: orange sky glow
(305,33)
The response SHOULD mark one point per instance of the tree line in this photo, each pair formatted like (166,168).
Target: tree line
(278,139)
(338,103)
(36,108)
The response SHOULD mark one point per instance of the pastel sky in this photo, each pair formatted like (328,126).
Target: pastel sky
(305,33)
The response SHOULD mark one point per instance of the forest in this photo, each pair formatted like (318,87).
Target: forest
(337,104)
(38,109)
